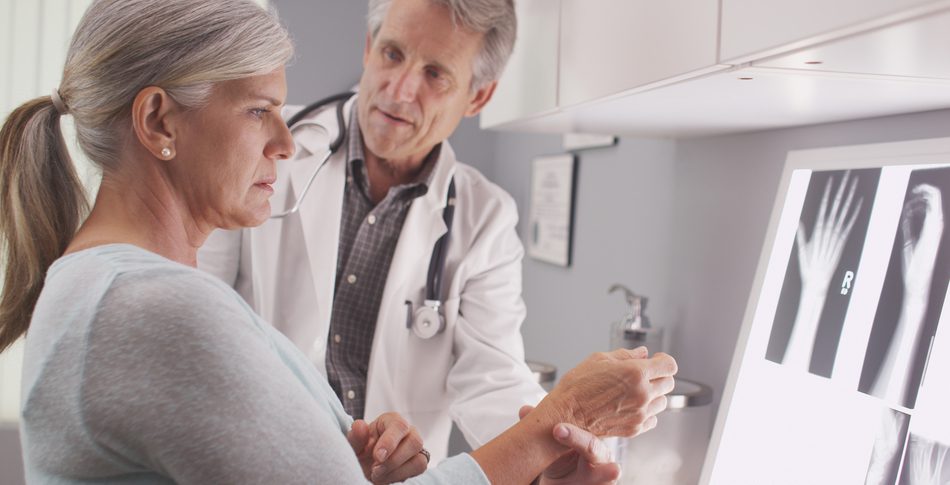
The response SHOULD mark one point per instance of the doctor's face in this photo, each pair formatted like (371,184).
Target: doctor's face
(416,83)
(227,153)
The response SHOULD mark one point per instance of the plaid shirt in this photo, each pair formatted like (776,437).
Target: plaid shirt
(368,237)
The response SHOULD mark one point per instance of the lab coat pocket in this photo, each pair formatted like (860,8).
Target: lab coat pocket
(428,363)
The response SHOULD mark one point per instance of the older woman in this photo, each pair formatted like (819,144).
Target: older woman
(141,369)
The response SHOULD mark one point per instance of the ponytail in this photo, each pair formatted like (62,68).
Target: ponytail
(42,203)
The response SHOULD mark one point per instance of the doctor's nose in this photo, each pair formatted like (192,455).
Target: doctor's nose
(404,85)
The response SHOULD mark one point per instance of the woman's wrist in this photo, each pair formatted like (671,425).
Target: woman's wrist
(523,451)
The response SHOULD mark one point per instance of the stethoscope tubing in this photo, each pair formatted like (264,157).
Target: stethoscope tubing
(296,122)
(437,262)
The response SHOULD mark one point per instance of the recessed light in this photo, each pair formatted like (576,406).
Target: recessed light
(814,63)
(746,78)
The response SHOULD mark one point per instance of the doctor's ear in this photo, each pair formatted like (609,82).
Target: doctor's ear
(480,98)
(153,123)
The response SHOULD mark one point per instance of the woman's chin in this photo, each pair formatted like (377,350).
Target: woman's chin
(251,218)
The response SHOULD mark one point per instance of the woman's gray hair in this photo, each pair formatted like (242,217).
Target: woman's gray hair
(494,18)
(182,46)
(119,48)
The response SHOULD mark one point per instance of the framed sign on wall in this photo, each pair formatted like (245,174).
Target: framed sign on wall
(551,217)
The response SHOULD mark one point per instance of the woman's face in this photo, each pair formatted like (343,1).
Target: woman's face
(227,152)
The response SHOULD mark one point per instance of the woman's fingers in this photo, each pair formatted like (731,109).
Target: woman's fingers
(359,436)
(398,449)
(414,466)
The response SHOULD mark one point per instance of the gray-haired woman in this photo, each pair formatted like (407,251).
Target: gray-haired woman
(141,369)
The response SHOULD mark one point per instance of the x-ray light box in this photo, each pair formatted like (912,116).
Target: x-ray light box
(842,370)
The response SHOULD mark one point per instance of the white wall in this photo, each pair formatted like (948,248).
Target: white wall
(34,37)
(33,66)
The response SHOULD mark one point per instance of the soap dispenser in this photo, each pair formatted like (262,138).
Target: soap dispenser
(634,329)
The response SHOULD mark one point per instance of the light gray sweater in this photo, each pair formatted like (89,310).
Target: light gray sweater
(142,370)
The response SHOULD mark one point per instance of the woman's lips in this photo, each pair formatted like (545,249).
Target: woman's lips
(266,184)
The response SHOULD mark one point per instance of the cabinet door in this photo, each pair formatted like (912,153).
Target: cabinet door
(610,46)
(529,84)
(755,28)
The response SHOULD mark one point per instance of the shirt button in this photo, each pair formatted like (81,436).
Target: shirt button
(350,394)
(371,219)
(337,338)
(351,279)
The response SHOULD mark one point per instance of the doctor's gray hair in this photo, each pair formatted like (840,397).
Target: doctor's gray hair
(119,48)
(495,19)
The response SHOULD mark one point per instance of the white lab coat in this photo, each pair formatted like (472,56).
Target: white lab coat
(474,371)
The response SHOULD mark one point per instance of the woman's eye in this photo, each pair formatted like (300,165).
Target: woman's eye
(259,112)
(433,73)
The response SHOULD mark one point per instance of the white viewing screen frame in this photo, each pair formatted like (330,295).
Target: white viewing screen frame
(843,376)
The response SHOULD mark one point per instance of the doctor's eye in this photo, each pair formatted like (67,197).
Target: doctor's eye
(391,54)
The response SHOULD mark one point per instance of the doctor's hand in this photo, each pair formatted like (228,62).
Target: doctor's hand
(616,393)
(587,461)
(388,449)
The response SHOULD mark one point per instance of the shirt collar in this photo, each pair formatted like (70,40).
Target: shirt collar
(356,162)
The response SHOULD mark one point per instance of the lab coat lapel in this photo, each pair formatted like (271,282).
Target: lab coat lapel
(407,279)
(320,211)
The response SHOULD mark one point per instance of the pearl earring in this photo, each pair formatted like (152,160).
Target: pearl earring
(166,152)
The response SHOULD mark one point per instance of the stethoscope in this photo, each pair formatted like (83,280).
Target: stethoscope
(427,321)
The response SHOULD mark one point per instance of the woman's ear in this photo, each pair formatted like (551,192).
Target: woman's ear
(152,121)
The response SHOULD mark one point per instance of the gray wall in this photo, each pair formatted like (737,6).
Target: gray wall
(329,38)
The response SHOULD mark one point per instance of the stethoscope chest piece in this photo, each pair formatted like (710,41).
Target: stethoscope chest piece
(426,321)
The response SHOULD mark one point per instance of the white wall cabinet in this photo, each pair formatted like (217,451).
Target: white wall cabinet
(706,67)
(612,46)
(529,85)
(753,29)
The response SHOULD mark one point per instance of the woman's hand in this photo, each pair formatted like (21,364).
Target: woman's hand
(612,394)
(388,449)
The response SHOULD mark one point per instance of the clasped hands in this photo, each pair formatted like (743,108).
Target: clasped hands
(609,394)
(587,460)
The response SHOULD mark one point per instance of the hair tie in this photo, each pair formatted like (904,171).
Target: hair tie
(58,102)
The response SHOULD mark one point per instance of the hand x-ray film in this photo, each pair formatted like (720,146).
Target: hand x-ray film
(842,372)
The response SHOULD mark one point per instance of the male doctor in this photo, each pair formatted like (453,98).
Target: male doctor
(336,276)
